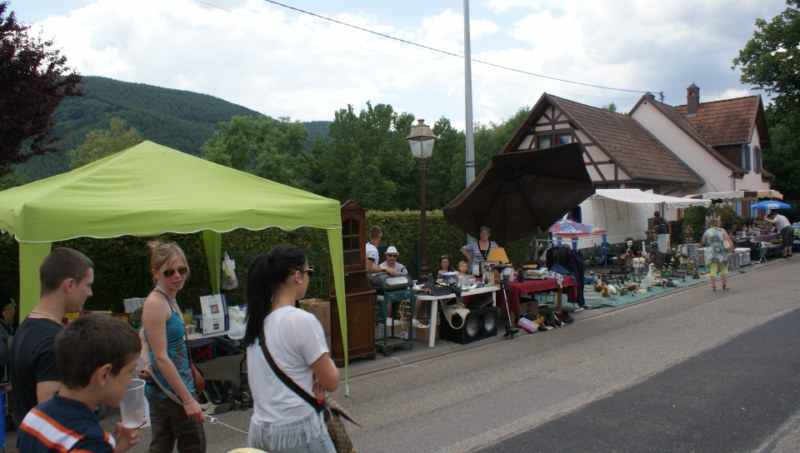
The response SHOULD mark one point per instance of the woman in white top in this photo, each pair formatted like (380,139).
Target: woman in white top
(282,421)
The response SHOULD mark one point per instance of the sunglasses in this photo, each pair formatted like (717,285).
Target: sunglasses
(183,270)
(310,271)
(391,255)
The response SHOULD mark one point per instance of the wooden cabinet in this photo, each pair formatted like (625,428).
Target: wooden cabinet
(359,295)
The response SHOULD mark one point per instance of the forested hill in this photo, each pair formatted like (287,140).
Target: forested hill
(179,119)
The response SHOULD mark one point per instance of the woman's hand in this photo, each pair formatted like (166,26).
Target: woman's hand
(319,392)
(125,437)
(193,411)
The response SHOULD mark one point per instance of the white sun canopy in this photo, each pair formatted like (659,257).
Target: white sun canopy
(639,196)
(743,194)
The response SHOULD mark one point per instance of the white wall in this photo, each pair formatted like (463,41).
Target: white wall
(716,175)
(620,220)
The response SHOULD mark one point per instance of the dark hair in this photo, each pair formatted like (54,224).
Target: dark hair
(90,342)
(5,298)
(375,232)
(62,263)
(265,274)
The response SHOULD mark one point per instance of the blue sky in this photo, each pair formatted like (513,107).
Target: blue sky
(285,63)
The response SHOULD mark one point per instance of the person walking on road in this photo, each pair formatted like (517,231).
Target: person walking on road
(717,245)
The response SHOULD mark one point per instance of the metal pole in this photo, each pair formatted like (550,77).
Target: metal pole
(423,228)
(469,156)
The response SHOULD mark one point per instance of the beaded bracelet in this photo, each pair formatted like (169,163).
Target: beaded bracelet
(187,402)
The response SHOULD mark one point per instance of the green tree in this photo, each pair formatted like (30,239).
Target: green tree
(100,143)
(262,146)
(445,169)
(34,79)
(10,180)
(610,107)
(771,61)
(367,159)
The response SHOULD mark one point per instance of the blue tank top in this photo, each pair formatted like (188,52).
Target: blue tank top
(177,352)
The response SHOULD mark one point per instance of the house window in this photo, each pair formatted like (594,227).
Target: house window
(746,157)
(545,142)
(564,139)
(757,160)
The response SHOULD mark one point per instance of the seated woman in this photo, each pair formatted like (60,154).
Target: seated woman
(444,267)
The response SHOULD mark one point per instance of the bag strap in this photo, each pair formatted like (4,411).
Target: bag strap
(283,377)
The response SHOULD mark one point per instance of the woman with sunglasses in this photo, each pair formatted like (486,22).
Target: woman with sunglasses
(164,335)
(282,421)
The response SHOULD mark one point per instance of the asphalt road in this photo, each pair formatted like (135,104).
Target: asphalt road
(734,397)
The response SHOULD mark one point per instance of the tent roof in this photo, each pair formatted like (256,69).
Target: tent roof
(151,189)
(743,194)
(639,196)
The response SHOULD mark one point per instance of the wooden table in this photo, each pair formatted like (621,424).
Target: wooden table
(515,289)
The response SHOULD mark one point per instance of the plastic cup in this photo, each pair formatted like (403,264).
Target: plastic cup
(132,406)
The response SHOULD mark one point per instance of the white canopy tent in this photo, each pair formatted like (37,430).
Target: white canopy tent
(624,213)
(738,195)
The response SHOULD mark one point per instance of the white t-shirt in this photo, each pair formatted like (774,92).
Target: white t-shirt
(372,253)
(295,340)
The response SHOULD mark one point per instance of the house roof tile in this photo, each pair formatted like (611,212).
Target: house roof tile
(626,142)
(725,122)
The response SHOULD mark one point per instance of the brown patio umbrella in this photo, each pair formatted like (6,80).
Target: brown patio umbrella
(522,190)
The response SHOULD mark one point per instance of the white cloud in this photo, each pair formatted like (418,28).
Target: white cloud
(283,63)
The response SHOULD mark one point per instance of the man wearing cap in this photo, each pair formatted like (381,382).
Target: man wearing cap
(784,227)
(391,266)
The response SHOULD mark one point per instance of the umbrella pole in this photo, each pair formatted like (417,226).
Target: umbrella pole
(510,330)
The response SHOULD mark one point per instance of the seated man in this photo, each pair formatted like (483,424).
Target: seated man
(391,266)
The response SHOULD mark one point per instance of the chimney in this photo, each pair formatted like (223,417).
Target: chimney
(692,99)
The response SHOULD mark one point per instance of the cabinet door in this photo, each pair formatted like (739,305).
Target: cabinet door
(353,243)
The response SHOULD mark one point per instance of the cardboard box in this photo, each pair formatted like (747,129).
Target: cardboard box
(421,333)
(395,329)
(321,309)
(526,306)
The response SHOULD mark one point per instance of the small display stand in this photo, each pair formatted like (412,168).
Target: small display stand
(394,305)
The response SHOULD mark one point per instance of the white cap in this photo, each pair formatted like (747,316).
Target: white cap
(391,250)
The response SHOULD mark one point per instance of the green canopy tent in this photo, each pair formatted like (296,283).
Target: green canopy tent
(150,189)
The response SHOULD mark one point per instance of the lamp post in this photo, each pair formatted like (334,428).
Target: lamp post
(421,141)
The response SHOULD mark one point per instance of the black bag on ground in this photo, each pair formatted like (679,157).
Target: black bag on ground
(215,391)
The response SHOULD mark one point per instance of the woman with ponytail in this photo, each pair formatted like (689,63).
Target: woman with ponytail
(282,421)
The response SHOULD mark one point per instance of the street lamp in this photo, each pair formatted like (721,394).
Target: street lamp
(421,141)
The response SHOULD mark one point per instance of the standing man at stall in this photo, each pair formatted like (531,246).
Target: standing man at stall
(373,255)
(784,227)
(662,228)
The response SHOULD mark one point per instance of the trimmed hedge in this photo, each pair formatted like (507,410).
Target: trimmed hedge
(121,264)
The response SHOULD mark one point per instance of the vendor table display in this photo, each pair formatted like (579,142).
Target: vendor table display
(437,300)
(568,285)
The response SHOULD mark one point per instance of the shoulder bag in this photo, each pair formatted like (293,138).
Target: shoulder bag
(330,409)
